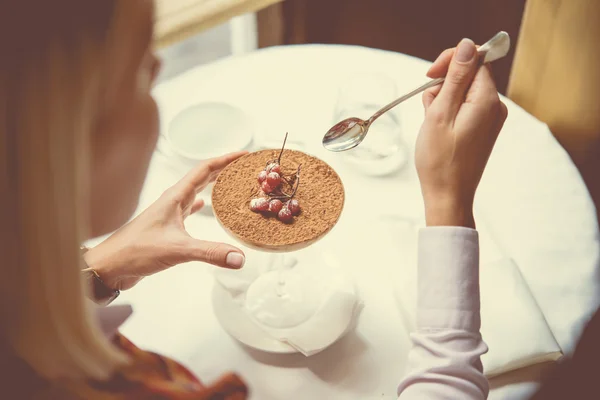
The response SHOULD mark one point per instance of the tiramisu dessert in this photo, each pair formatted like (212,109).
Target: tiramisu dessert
(278,200)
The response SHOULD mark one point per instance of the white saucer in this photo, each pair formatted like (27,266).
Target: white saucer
(284,299)
(237,322)
(240,326)
(208,130)
(204,131)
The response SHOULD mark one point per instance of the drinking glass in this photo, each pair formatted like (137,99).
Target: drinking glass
(383,150)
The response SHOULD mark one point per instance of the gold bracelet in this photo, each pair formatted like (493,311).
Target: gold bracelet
(102,294)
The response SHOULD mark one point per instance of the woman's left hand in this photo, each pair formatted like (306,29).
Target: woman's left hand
(156,239)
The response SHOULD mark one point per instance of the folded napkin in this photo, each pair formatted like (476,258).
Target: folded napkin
(512,324)
(337,305)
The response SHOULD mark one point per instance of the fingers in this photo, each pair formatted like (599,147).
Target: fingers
(483,89)
(207,171)
(483,84)
(503,111)
(439,67)
(427,99)
(429,95)
(218,254)
(502,117)
(197,206)
(461,71)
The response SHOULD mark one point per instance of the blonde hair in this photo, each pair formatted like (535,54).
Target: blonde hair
(58,67)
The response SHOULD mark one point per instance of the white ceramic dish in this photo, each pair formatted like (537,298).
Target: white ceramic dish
(240,326)
(234,317)
(207,130)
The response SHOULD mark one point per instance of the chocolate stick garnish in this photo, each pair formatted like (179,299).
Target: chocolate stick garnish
(282,147)
(290,196)
(278,160)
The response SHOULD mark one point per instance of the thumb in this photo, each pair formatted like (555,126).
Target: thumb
(460,75)
(219,254)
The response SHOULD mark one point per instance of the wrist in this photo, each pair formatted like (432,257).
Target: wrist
(449,211)
(99,291)
(100,261)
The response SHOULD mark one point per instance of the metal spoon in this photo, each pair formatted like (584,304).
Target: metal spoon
(350,132)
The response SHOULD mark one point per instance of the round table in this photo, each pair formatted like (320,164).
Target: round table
(531,199)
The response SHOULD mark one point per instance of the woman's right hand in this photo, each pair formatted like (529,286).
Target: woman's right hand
(463,118)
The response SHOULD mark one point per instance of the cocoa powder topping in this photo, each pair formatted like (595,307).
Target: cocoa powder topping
(320,194)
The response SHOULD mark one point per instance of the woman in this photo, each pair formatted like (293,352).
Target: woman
(78,127)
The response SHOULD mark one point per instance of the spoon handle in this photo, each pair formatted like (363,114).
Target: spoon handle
(495,48)
(407,96)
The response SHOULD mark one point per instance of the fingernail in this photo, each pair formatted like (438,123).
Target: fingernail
(465,51)
(235,260)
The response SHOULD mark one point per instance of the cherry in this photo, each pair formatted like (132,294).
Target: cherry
(273,167)
(285,215)
(275,206)
(294,206)
(276,168)
(266,187)
(262,176)
(259,205)
(271,193)
(273,179)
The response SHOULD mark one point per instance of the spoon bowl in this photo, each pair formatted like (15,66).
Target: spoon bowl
(350,132)
(346,134)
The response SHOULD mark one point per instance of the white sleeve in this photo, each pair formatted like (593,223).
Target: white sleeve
(445,359)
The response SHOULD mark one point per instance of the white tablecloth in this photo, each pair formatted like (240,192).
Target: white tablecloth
(531,199)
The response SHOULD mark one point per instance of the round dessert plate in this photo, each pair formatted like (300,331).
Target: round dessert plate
(320,194)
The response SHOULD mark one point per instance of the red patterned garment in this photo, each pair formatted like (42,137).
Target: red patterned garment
(149,377)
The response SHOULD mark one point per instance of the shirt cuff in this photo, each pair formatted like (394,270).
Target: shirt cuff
(111,318)
(448,283)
